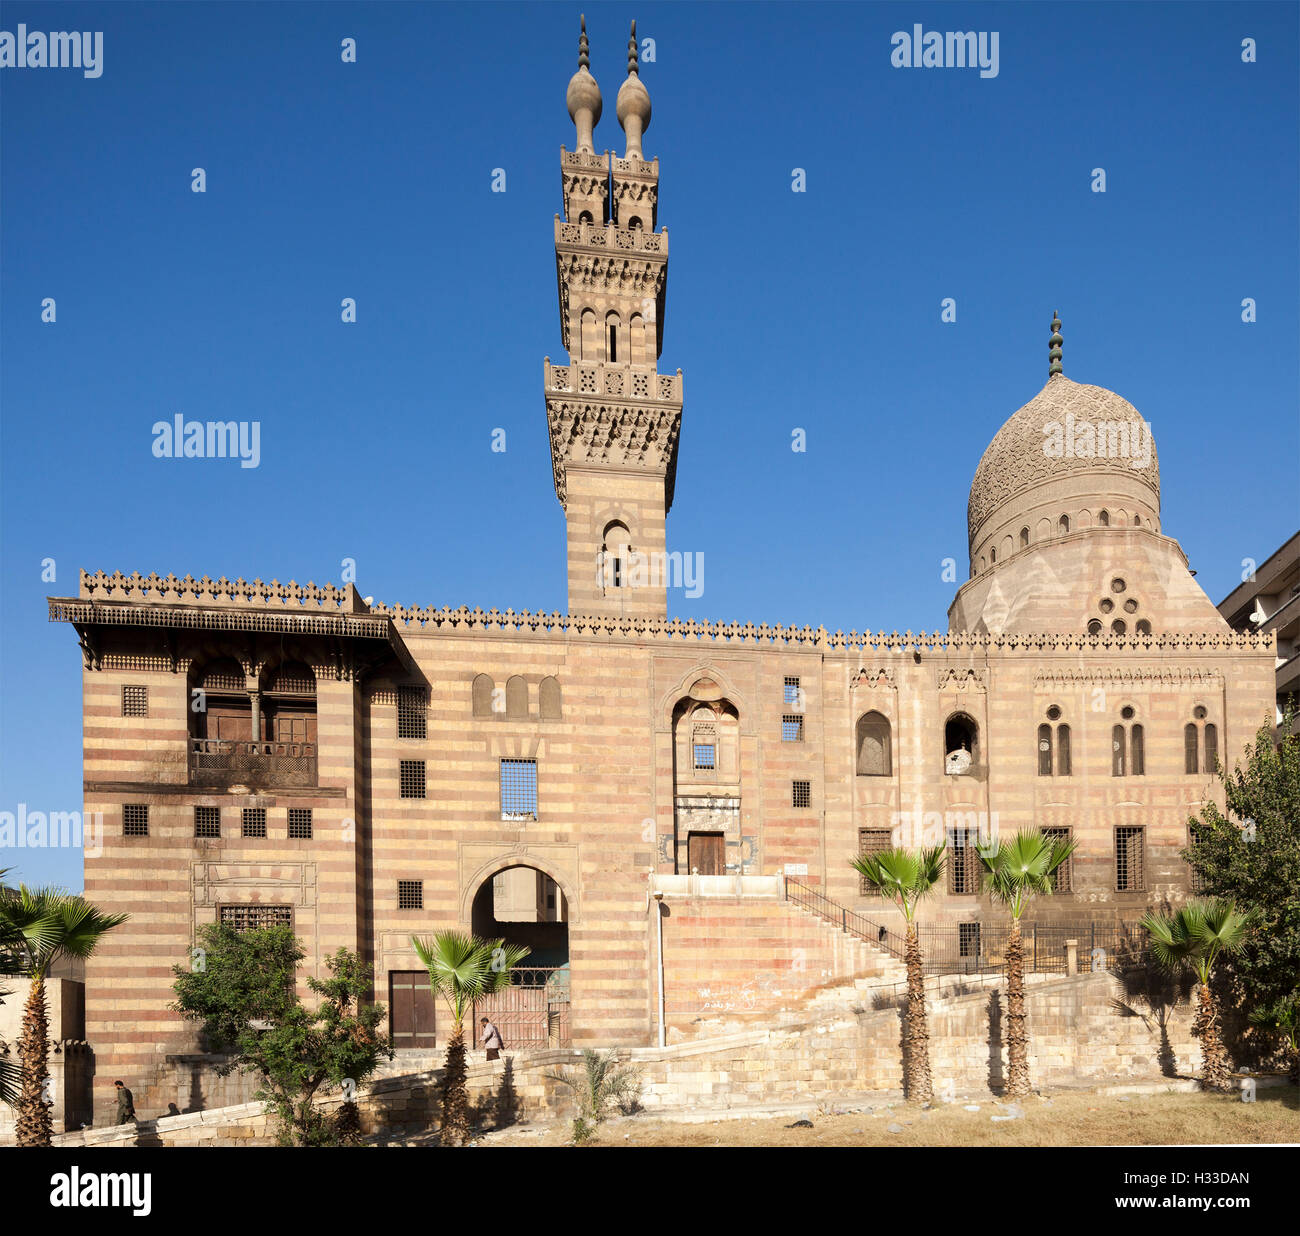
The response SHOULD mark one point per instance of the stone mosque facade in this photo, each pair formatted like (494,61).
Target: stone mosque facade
(265,753)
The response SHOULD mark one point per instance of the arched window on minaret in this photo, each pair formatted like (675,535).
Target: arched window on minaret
(588,342)
(613,328)
(637,352)
(614,552)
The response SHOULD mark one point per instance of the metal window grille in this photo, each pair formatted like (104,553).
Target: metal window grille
(1211,747)
(963,862)
(968,939)
(792,695)
(254,821)
(412,713)
(411,779)
(135,820)
(801,793)
(1130,844)
(410,894)
(207,821)
(519,789)
(300,823)
(792,728)
(1063,881)
(872,841)
(706,755)
(256,917)
(135,701)
(1190,743)
(1044,750)
(1195,878)
(1062,750)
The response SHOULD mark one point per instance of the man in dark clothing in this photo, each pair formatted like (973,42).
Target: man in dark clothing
(125,1104)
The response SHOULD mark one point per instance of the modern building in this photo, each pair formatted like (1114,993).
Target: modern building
(266,753)
(1269,600)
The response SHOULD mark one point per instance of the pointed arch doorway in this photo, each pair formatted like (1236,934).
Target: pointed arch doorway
(523,905)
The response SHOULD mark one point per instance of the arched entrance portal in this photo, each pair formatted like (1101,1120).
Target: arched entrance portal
(522,905)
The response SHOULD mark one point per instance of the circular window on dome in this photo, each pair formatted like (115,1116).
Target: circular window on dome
(1199,712)
(1094,627)
(1106,605)
(1127,712)
(1130,606)
(1117,584)
(1053,713)
(1119,627)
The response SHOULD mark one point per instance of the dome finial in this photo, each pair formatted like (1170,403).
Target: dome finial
(633,102)
(583,96)
(1054,350)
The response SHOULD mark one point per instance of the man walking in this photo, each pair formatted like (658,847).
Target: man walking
(125,1104)
(491,1037)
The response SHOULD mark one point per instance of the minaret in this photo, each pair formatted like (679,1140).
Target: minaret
(613,418)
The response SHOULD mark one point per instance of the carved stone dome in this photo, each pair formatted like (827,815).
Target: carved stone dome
(1037,447)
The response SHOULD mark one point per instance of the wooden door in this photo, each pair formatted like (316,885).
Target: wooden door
(411,1009)
(705,853)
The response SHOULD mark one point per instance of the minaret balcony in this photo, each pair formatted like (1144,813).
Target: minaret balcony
(606,236)
(617,381)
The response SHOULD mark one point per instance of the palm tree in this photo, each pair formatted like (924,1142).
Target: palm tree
(904,877)
(42,925)
(1196,936)
(463,969)
(600,1083)
(1015,873)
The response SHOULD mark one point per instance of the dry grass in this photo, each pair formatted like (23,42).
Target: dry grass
(1063,1119)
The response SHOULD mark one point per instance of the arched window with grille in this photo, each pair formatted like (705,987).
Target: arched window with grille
(875,755)
(1044,750)
(1191,741)
(1128,745)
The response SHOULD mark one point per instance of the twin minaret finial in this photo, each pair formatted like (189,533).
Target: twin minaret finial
(1054,347)
(584,101)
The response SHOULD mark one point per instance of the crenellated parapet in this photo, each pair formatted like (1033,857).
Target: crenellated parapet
(186,590)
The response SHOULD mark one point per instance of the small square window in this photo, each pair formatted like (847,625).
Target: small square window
(135,701)
(300,823)
(519,789)
(792,728)
(412,713)
(207,821)
(706,755)
(410,894)
(135,820)
(254,821)
(792,696)
(411,779)
(801,793)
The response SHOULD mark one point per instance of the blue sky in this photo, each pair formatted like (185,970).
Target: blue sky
(818,310)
